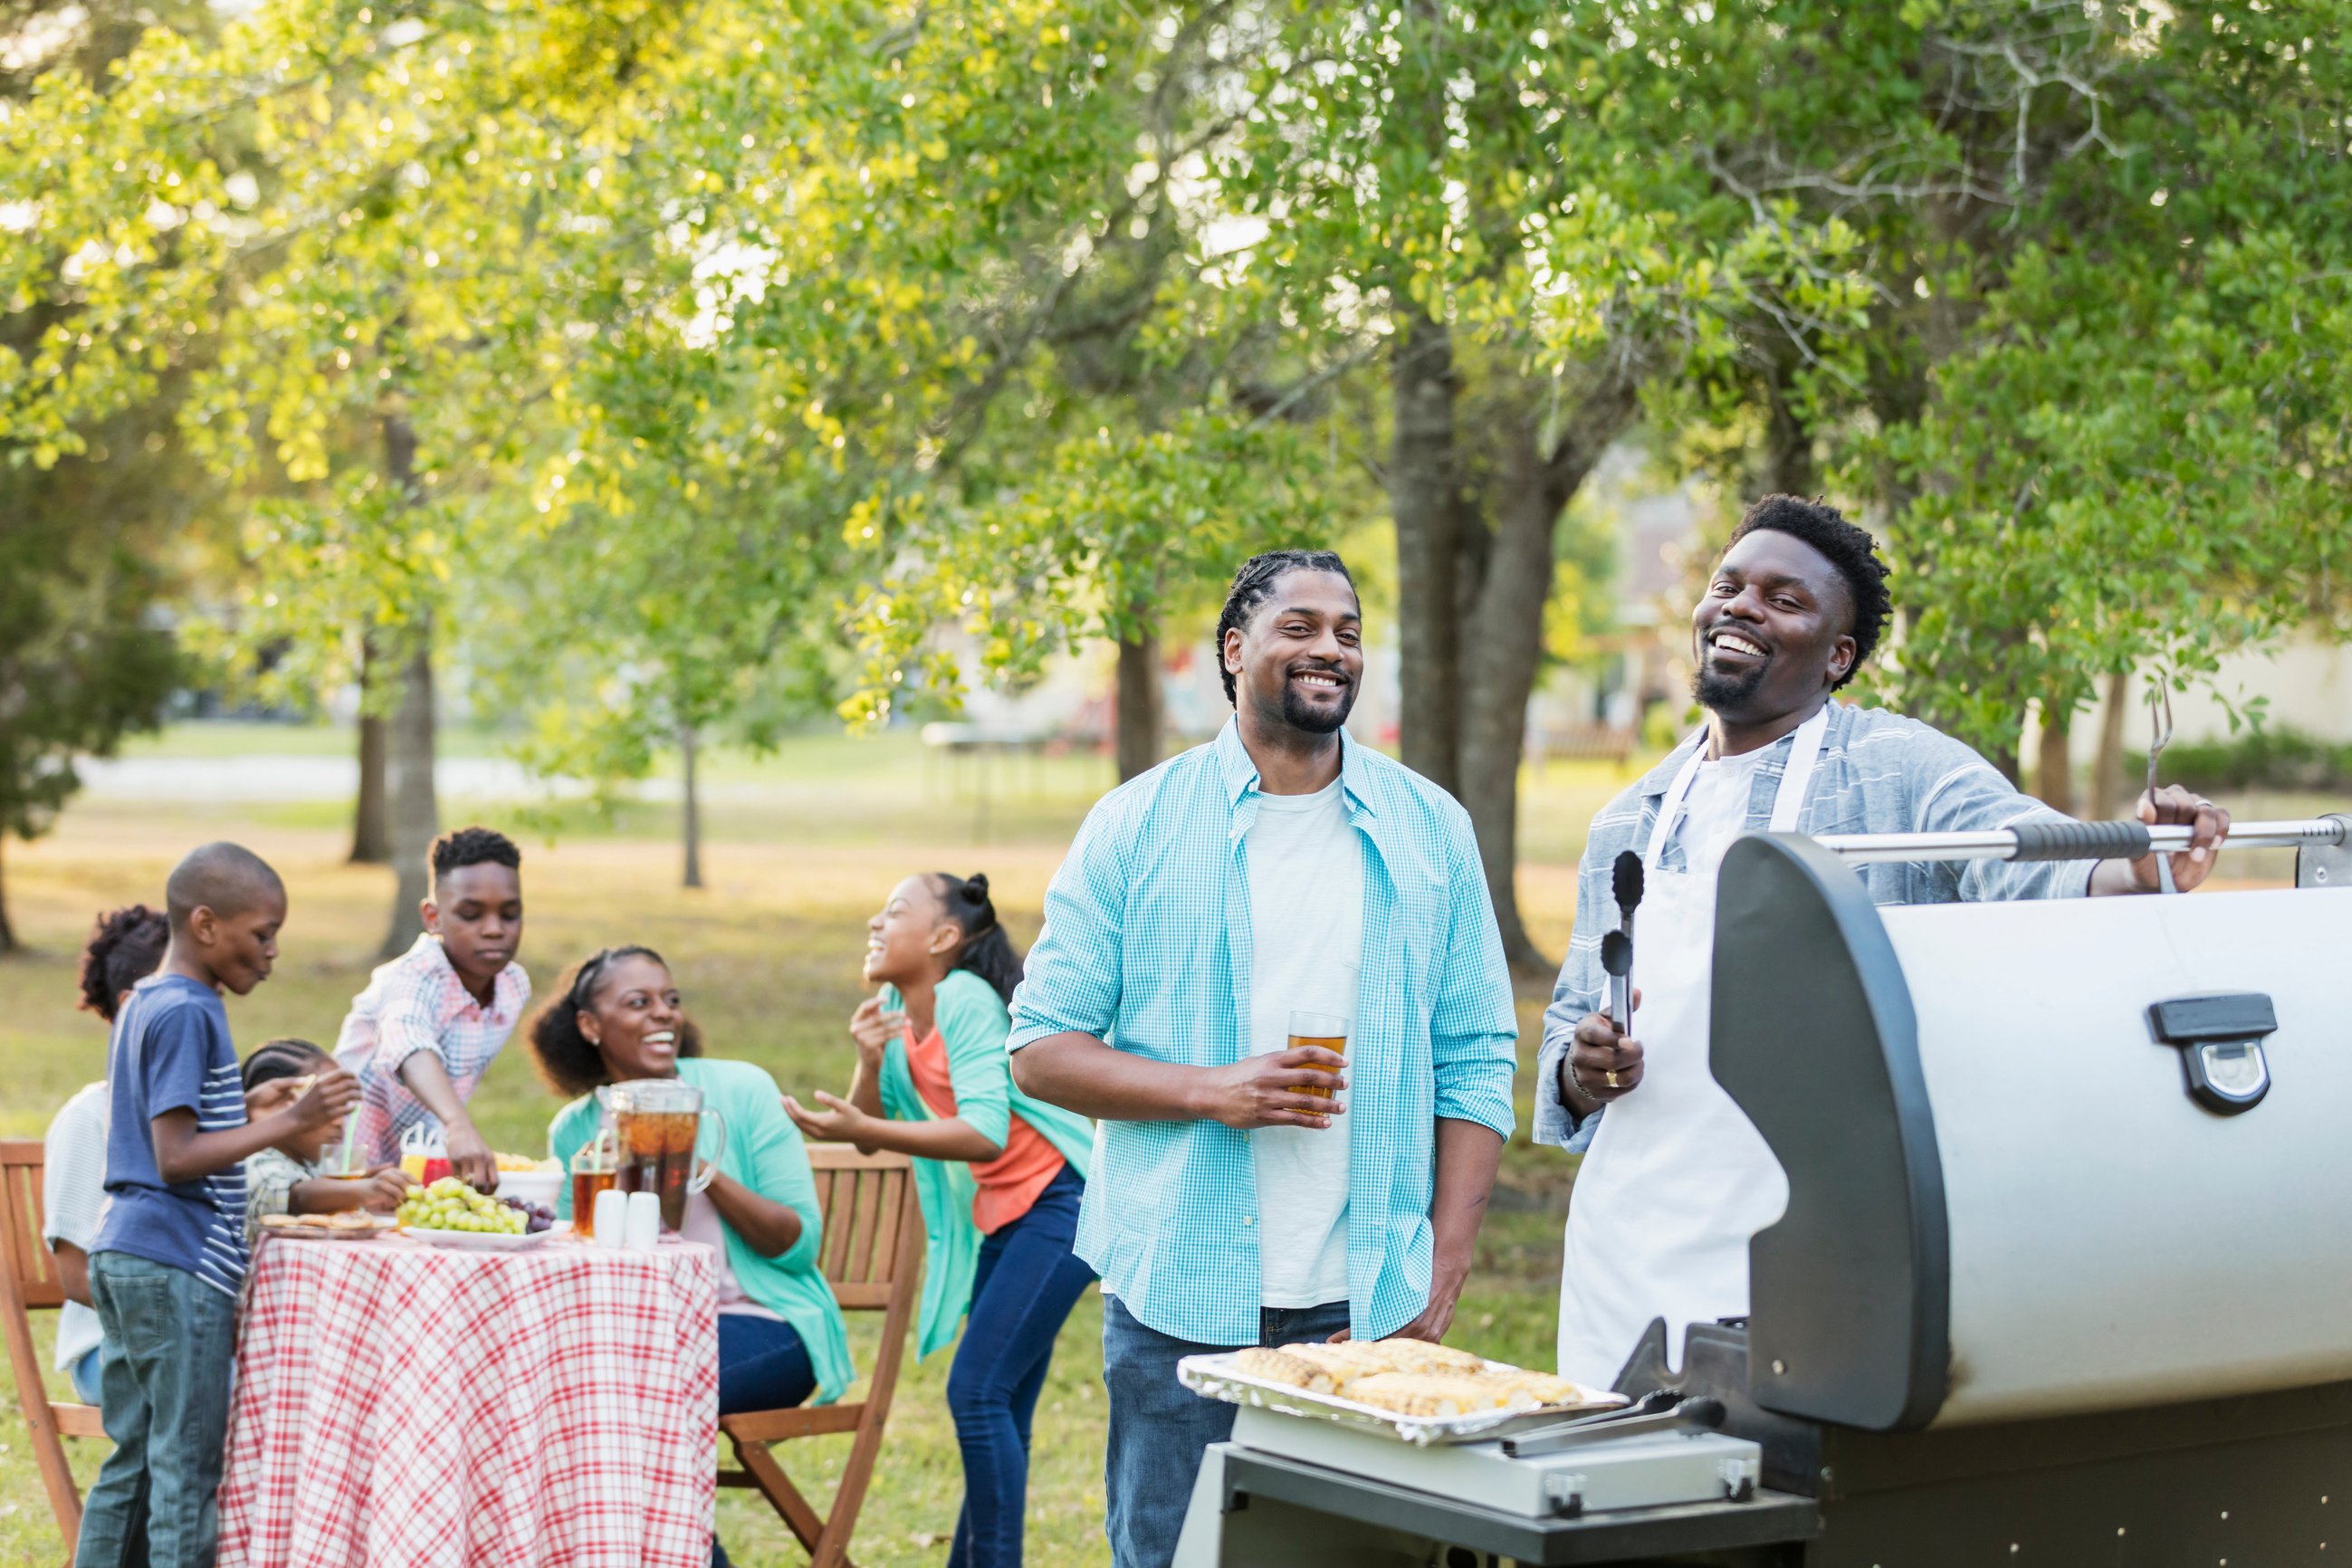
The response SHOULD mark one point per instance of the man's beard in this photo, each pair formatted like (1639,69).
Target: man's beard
(1300,715)
(1717,691)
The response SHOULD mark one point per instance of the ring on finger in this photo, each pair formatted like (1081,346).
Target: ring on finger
(1611,1078)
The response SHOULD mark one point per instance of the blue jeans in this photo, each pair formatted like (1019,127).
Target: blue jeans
(163,1375)
(84,1374)
(1158,1427)
(1023,1289)
(762,1365)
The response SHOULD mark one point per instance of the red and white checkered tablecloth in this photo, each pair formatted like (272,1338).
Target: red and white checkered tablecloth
(405,1406)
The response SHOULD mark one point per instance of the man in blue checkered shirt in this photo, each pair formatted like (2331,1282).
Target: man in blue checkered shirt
(1279,885)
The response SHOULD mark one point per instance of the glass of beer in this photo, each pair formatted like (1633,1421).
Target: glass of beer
(1328,1030)
(596,1169)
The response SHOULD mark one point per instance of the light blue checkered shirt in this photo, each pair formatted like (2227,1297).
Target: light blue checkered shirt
(1146,945)
(1878,773)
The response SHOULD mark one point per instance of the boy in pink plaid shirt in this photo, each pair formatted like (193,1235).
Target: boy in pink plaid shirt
(431,1021)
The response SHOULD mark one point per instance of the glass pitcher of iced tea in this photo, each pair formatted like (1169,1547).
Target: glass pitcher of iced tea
(662,1128)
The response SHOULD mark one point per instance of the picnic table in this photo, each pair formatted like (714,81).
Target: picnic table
(400,1404)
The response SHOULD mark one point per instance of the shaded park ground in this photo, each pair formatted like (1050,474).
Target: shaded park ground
(803,847)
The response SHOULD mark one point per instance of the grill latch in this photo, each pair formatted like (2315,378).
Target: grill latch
(2220,1043)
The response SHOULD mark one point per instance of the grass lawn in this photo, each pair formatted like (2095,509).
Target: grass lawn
(804,845)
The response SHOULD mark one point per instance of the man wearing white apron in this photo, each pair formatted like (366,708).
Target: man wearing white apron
(1676,1180)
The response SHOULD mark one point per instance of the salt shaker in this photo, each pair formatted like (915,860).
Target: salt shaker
(642,1231)
(611,1218)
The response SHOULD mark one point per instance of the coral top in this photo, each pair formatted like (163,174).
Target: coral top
(1009,1184)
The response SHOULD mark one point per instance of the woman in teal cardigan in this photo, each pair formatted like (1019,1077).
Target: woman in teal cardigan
(998,1176)
(618,1017)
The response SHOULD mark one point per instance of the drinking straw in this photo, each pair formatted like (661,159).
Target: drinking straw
(350,1128)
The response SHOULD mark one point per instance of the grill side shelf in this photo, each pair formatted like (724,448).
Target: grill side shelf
(1814,1037)
(1767,1518)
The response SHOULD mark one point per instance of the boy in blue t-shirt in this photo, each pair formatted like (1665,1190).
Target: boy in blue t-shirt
(169,1256)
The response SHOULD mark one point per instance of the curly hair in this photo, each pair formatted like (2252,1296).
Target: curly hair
(1848,548)
(1253,585)
(287,1057)
(124,948)
(568,1061)
(471,847)
(987,951)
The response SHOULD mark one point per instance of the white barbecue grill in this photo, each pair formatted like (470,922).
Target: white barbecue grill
(2063,1276)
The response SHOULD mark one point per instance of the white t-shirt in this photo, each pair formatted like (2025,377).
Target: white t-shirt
(703,1225)
(1715,810)
(1307,937)
(73,1194)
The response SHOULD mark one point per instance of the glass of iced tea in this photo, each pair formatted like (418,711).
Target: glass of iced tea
(594,1169)
(1328,1030)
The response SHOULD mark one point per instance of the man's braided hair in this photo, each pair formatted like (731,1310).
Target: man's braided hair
(1253,585)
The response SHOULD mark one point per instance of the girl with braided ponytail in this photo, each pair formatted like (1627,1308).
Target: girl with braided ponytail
(999,1175)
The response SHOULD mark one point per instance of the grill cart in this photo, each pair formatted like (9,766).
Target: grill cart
(2063,1275)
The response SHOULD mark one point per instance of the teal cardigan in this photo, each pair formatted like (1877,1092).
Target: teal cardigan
(972,1022)
(764,1152)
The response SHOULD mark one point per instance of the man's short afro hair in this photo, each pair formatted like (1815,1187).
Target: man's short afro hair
(472,847)
(1847,547)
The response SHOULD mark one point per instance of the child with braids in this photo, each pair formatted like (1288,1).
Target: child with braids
(1000,1177)
(284,1178)
(123,950)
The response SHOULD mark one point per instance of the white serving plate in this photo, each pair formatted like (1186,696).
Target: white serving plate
(1214,1377)
(478,1240)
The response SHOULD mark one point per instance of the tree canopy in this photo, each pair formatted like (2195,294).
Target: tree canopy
(682,369)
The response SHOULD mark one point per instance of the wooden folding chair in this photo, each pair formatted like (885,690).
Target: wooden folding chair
(873,1254)
(30,1274)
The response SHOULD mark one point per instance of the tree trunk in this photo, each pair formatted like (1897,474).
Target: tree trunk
(2107,773)
(1499,665)
(2053,769)
(693,810)
(8,931)
(1425,501)
(371,828)
(1789,467)
(415,814)
(1142,719)
(416,810)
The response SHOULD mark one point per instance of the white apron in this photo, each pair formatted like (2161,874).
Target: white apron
(1677,1179)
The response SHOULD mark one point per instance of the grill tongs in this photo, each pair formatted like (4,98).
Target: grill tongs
(1663,1411)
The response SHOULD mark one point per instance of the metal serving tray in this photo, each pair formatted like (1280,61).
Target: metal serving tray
(1214,1377)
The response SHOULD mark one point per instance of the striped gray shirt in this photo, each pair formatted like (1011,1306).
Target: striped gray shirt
(1878,773)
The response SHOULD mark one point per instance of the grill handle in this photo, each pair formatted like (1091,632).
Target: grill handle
(2079,840)
(2076,841)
